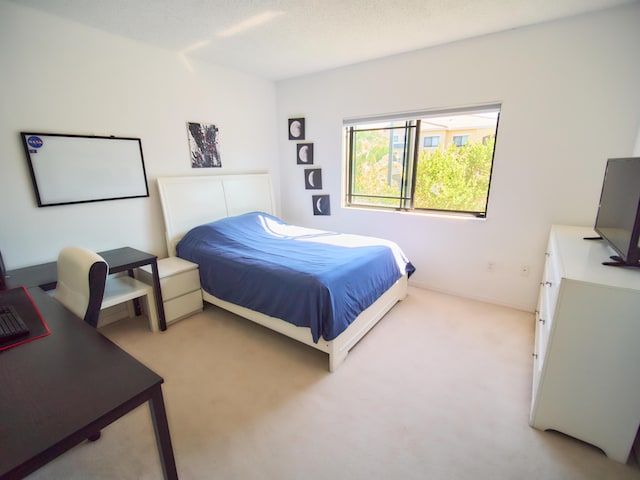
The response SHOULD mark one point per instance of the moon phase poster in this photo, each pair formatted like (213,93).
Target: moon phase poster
(296,129)
(321,205)
(313,178)
(305,153)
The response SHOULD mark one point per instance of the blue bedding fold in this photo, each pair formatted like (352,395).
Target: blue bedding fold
(310,278)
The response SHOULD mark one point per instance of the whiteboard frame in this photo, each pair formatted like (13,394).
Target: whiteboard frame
(80,171)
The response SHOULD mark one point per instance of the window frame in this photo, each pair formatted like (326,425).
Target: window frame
(407,188)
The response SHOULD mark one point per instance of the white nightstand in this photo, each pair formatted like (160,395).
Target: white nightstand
(180,284)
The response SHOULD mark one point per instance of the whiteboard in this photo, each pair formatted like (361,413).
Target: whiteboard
(68,169)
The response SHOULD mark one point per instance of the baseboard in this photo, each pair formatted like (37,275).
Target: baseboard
(492,301)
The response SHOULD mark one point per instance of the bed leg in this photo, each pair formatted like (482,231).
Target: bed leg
(336,359)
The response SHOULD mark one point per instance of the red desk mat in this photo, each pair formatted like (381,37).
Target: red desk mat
(23,303)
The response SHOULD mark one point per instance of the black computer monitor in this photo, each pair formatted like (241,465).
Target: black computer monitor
(618,219)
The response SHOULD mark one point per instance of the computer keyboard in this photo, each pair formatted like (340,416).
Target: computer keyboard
(11,325)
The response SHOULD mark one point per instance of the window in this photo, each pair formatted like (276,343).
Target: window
(389,167)
(398,141)
(460,140)
(431,141)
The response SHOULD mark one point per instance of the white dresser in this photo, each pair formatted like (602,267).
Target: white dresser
(586,369)
(180,285)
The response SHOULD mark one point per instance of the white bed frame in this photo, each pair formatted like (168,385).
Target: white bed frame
(191,201)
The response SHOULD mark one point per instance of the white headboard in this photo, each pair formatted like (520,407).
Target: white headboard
(191,201)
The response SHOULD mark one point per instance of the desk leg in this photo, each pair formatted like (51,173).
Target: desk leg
(157,292)
(136,301)
(163,438)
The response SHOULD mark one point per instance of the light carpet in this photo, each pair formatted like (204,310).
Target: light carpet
(439,389)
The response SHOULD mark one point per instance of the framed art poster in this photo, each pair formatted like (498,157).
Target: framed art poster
(304,153)
(203,145)
(313,178)
(321,205)
(296,129)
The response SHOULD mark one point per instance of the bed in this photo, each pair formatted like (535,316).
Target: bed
(220,221)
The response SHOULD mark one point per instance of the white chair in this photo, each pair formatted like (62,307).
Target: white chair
(85,288)
(81,283)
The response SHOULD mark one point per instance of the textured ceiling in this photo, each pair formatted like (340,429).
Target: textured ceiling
(278,39)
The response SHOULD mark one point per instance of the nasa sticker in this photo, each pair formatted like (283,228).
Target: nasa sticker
(34,142)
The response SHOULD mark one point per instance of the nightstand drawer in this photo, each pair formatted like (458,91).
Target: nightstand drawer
(183,306)
(177,277)
(179,284)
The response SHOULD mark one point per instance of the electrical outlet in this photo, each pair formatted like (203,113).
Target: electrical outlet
(491,267)
(524,270)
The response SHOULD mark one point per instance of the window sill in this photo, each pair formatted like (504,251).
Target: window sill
(419,213)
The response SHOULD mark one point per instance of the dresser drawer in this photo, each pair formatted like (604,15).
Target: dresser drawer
(182,306)
(542,330)
(538,362)
(551,286)
(549,301)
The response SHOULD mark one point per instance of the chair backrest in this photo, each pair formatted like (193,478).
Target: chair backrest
(82,275)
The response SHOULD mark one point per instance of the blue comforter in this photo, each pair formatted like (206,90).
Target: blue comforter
(311,278)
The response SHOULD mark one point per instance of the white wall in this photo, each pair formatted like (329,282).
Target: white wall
(61,77)
(570,99)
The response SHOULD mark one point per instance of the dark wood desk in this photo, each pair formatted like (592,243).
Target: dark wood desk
(57,391)
(123,259)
